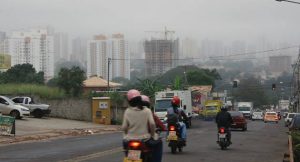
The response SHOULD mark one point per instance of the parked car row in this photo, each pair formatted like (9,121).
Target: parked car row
(19,107)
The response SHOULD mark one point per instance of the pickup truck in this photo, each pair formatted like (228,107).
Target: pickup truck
(36,110)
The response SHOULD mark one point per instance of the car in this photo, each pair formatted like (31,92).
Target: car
(239,120)
(288,119)
(8,107)
(271,117)
(295,123)
(36,110)
(257,115)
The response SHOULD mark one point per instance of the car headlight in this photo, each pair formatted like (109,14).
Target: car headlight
(24,109)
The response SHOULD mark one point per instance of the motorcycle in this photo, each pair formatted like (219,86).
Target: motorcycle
(137,151)
(174,138)
(223,138)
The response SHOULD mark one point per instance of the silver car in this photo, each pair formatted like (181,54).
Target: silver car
(8,107)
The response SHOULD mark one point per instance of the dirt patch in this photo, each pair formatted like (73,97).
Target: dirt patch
(53,134)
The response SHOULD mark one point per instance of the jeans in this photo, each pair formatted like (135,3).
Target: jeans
(183,130)
(157,152)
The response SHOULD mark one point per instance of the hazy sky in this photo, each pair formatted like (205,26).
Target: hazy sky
(200,19)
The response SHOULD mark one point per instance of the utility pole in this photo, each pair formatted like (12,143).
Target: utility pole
(108,65)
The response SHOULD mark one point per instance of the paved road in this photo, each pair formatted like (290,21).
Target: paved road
(264,142)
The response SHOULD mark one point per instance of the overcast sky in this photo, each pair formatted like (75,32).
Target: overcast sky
(213,19)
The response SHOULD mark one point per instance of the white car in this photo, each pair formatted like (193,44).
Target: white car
(8,107)
(257,116)
(288,119)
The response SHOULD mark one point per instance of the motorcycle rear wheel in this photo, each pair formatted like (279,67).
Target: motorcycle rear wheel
(173,149)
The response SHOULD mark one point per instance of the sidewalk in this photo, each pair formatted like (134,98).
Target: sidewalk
(33,129)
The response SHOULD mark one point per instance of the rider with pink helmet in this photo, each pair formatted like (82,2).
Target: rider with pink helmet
(138,122)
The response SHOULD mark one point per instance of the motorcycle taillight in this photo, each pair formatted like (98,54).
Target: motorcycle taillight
(134,144)
(172,128)
(222,130)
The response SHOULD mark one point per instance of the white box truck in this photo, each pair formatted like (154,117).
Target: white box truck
(163,102)
(246,108)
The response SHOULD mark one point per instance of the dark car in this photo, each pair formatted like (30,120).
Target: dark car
(239,121)
(295,123)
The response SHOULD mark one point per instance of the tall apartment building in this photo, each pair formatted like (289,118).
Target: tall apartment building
(61,47)
(120,64)
(79,51)
(97,56)
(2,36)
(100,49)
(160,55)
(3,43)
(34,47)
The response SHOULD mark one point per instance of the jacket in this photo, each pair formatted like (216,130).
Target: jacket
(224,119)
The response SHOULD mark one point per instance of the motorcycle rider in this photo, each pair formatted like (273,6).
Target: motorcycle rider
(158,147)
(181,116)
(224,119)
(138,122)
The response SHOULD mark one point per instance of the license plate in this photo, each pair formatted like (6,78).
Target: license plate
(222,135)
(134,155)
(233,124)
(172,136)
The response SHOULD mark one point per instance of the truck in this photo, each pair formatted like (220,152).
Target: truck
(211,108)
(36,110)
(163,102)
(246,108)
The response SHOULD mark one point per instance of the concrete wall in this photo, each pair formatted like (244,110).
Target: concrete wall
(77,109)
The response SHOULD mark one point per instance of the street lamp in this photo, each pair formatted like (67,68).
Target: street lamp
(288,1)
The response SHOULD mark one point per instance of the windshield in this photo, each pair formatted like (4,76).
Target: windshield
(162,105)
(235,114)
(8,100)
(291,115)
(271,114)
(211,108)
(244,108)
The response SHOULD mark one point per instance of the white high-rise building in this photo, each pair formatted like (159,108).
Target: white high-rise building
(100,49)
(97,56)
(34,47)
(120,64)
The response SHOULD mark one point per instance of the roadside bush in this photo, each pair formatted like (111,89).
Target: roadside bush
(296,144)
(31,89)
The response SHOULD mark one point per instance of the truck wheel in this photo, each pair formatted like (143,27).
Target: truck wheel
(15,114)
(38,113)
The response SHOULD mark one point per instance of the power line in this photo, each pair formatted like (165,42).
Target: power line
(221,57)
(256,52)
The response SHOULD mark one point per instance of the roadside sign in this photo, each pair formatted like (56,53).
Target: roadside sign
(7,125)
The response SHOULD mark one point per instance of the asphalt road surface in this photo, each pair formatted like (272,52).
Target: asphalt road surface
(263,142)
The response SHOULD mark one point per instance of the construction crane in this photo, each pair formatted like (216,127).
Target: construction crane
(166,33)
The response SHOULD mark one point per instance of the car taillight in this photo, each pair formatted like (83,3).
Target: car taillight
(222,130)
(134,144)
(172,128)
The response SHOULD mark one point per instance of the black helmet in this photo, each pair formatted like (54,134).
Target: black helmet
(224,108)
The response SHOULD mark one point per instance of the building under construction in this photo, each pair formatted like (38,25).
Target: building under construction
(160,55)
